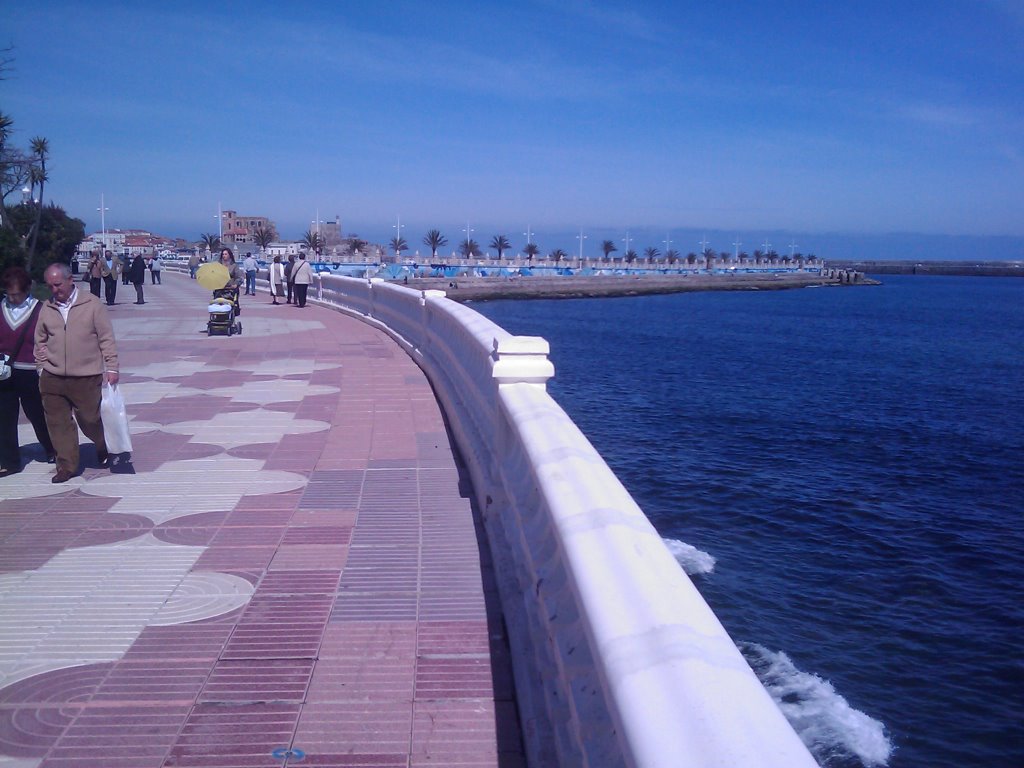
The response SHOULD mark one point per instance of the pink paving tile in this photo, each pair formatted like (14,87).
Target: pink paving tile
(300,582)
(154,680)
(371,729)
(30,731)
(305,556)
(258,680)
(62,686)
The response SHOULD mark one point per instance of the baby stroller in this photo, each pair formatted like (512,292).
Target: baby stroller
(224,310)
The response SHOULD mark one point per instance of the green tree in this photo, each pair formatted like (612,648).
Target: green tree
(469,248)
(434,240)
(630,256)
(264,237)
(58,237)
(312,241)
(356,245)
(531,250)
(501,244)
(671,255)
(398,245)
(40,153)
(691,258)
(211,241)
(557,255)
(608,248)
(651,253)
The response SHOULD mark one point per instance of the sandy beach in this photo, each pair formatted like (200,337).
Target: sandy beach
(578,287)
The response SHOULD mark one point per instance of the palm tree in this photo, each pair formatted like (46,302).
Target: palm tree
(313,241)
(398,245)
(651,253)
(434,240)
(709,257)
(557,255)
(608,248)
(672,256)
(211,241)
(630,256)
(469,248)
(744,257)
(723,256)
(501,244)
(264,237)
(531,250)
(40,150)
(758,256)
(356,244)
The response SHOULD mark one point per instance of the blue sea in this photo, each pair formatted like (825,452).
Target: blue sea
(841,471)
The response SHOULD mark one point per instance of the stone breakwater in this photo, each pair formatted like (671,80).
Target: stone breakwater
(464,289)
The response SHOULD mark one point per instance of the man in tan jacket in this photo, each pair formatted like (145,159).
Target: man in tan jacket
(75,349)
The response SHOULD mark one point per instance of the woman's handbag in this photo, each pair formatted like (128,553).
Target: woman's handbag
(115,420)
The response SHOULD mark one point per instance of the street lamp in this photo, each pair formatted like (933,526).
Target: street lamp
(398,236)
(581,237)
(468,232)
(103,220)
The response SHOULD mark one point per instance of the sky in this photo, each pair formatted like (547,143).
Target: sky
(836,127)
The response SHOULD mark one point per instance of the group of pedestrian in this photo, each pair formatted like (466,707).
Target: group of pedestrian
(291,279)
(61,351)
(105,269)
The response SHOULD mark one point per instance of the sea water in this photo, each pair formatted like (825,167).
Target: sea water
(841,471)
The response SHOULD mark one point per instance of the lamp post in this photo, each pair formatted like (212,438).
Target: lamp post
(468,232)
(736,248)
(581,237)
(626,241)
(103,220)
(398,236)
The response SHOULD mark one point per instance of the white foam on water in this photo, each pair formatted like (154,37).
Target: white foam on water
(692,560)
(823,719)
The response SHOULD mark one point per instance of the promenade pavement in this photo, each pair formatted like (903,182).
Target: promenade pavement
(294,575)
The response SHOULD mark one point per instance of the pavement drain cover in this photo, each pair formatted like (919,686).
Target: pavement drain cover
(284,753)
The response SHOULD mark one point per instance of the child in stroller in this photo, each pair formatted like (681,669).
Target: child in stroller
(223,313)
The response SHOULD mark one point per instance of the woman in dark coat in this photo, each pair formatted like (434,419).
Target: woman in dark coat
(137,276)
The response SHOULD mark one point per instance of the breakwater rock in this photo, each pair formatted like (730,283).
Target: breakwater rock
(963,268)
(597,286)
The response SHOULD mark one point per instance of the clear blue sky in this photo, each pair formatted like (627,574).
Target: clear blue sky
(811,119)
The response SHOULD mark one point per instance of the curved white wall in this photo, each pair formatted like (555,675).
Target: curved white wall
(618,659)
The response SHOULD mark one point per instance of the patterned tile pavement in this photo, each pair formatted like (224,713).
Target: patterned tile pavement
(292,576)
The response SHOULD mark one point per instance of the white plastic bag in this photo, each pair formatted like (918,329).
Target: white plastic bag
(115,420)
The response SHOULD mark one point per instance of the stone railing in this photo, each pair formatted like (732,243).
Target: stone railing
(618,660)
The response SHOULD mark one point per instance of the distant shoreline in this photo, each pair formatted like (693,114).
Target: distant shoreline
(465,289)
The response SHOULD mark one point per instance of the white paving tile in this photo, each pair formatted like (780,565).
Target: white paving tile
(230,430)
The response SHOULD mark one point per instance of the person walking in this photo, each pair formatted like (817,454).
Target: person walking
(20,312)
(277,279)
(110,269)
(288,275)
(75,350)
(137,277)
(302,276)
(193,264)
(94,272)
(154,269)
(126,263)
(251,266)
